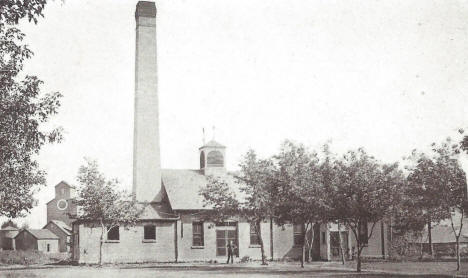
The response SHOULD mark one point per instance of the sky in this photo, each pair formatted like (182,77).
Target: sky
(389,76)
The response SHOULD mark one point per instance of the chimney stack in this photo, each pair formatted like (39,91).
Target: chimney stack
(146,156)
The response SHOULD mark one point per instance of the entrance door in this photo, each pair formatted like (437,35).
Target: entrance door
(335,244)
(223,236)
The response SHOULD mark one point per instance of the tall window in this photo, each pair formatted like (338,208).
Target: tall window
(150,232)
(298,230)
(197,234)
(113,233)
(363,232)
(215,158)
(254,238)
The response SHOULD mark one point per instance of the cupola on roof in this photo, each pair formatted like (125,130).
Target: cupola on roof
(212,144)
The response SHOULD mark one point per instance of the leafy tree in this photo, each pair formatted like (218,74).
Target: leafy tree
(364,191)
(327,177)
(24,111)
(423,185)
(464,143)
(408,222)
(11,11)
(301,191)
(256,201)
(221,199)
(9,223)
(102,204)
(464,140)
(451,185)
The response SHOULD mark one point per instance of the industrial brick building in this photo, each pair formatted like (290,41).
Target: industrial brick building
(170,228)
(62,207)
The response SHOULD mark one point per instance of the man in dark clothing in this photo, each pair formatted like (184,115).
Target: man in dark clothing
(230,250)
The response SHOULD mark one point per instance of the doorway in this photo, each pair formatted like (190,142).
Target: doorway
(335,244)
(226,232)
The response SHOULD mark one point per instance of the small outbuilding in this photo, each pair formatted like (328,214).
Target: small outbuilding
(63,231)
(7,238)
(41,240)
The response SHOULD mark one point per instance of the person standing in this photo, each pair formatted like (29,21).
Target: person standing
(230,250)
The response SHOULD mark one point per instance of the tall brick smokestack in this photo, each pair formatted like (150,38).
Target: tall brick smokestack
(146,156)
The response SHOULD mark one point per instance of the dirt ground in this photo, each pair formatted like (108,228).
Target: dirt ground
(192,272)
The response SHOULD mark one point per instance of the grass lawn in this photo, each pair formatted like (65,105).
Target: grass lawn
(247,270)
(189,272)
(447,268)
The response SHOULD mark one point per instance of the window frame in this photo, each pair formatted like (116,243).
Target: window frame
(198,237)
(253,234)
(117,227)
(145,232)
(298,234)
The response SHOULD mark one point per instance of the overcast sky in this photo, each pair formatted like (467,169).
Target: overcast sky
(390,76)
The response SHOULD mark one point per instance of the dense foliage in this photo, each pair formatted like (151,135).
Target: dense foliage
(24,112)
(11,11)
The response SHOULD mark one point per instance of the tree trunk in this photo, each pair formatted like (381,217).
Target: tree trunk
(422,248)
(359,248)
(310,242)
(429,235)
(271,238)
(358,267)
(341,244)
(262,248)
(303,255)
(101,241)
(304,242)
(457,236)
(457,242)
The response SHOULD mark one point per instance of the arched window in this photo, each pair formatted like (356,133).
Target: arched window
(215,158)
(202,160)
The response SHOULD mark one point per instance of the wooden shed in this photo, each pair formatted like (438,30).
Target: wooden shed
(7,238)
(63,231)
(41,240)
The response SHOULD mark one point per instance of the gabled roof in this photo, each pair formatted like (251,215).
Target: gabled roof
(10,233)
(61,225)
(9,228)
(158,211)
(183,186)
(212,144)
(66,183)
(40,233)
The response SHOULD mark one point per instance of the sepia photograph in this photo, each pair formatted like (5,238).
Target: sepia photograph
(233,138)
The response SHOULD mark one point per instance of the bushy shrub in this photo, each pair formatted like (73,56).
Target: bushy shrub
(245,259)
(403,247)
(23,257)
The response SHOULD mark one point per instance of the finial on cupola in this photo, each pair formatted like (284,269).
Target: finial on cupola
(203,138)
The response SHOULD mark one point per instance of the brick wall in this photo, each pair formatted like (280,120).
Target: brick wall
(130,248)
(53,245)
(283,243)
(374,246)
